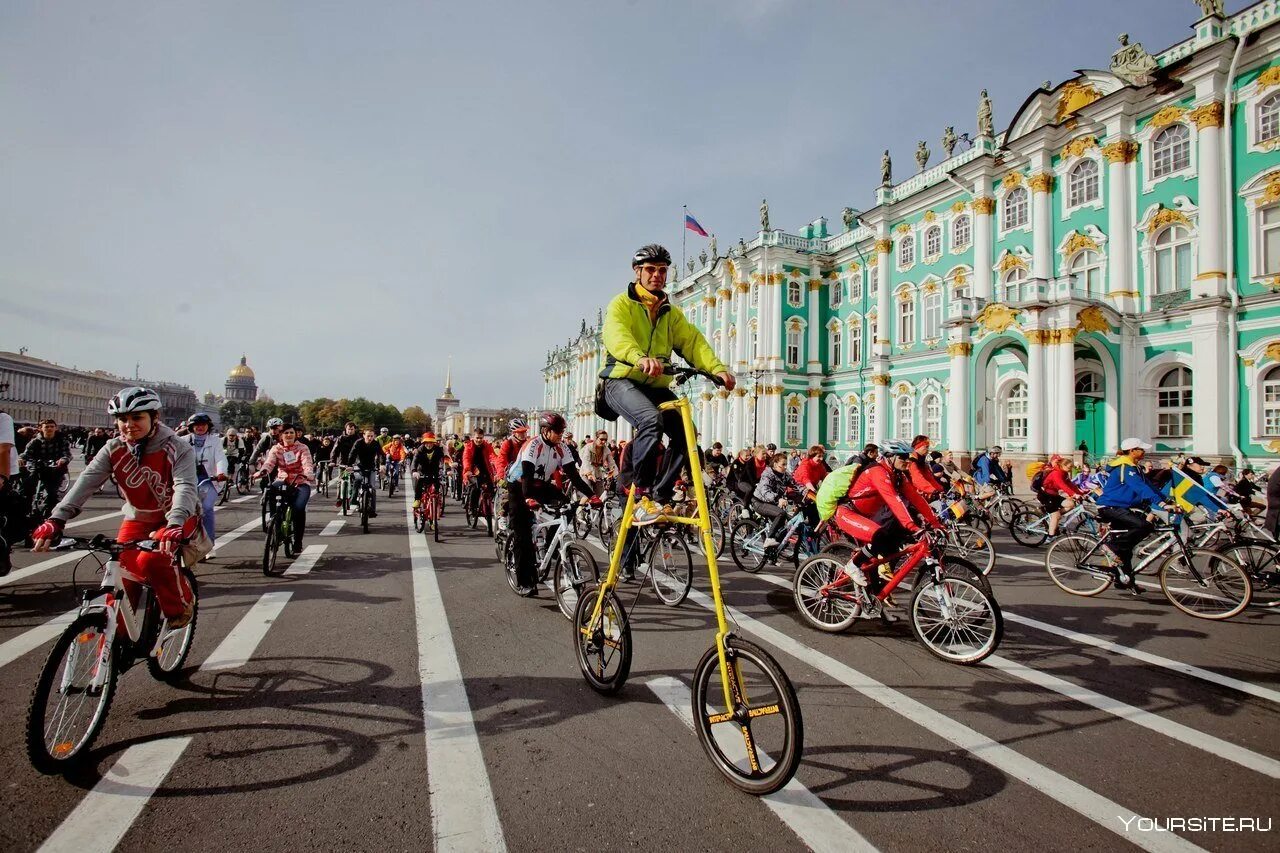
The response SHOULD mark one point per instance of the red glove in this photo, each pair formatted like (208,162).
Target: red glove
(596,500)
(531,503)
(50,529)
(169,538)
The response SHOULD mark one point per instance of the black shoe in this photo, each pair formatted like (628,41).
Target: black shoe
(373,514)
(528,591)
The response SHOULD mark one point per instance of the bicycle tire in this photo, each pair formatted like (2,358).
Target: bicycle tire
(174,649)
(605,673)
(1261,560)
(1021,530)
(364,510)
(286,533)
(955,592)
(961,568)
(827,613)
(971,544)
(1226,590)
(265,515)
(224,492)
(770,694)
(1004,512)
(742,531)
(671,581)
(509,564)
(419,518)
(1065,564)
(569,581)
(270,553)
(69,753)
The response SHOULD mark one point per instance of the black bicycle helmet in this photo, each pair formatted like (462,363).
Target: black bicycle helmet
(651,254)
(199,418)
(553,421)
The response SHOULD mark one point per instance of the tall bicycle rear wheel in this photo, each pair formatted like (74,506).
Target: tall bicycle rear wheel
(757,743)
(175,643)
(1221,590)
(671,568)
(67,711)
(1074,569)
(602,647)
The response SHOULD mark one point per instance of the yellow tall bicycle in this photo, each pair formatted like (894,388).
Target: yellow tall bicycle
(748,719)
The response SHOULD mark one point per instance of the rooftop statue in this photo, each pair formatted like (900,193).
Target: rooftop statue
(1131,63)
(986,126)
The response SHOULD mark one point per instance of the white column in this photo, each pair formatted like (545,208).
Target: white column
(776,332)
(983,210)
(958,403)
(1121,286)
(1036,340)
(813,364)
(881,393)
(1212,364)
(1065,392)
(1211,275)
(724,295)
(810,434)
(884,266)
(1041,185)
(743,308)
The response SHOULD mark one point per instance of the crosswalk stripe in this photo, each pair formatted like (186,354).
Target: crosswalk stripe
(102,818)
(799,808)
(332,528)
(306,561)
(36,637)
(238,646)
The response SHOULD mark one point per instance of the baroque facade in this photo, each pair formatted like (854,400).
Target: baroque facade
(1107,266)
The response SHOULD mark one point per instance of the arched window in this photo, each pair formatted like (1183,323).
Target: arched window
(794,293)
(1089,384)
(932,417)
(835,348)
(1086,274)
(961,232)
(836,293)
(906,422)
(855,340)
(1011,287)
(1269,222)
(1170,150)
(1173,404)
(833,423)
(906,251)
(873,326)
(1271,402)
(854,425)
(1082,183)
(753,345)
(933,241)
(1173,259)
(873,276)
(1268,115)
(793,346)
(793,423)
(906,320)
(855,286)
(932,316)
(871,421)
(1015,208)
(1015,410)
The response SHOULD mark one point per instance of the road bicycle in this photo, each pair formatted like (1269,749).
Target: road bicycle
(660,556)
(280,530)
(393,476)
(428,509)
(73,694)
(952,610)
(601,517)
(559,557)
(738,688)
(1030,527)
(1239,537)
(1200,582)
(747,542)
(478,504)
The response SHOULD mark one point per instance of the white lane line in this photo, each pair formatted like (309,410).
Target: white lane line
(1137,716)
(238,646)
(306,561)
(463,814)
(81,522)
(1147,657)
(1068,792)
(102,818)
(232,535)
(798,807)
(332,528)
(1030,562)
(34,638)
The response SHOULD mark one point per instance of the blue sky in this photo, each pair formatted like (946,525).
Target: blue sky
(349,192)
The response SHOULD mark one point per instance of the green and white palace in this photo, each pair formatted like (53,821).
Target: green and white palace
(1107,266)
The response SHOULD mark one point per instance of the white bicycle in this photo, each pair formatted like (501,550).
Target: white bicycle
(560,557)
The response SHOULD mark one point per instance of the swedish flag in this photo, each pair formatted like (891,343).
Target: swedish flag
(1188,494)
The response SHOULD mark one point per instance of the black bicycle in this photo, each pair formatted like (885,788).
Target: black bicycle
(280,531)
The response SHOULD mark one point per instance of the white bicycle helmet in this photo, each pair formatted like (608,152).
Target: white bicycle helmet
(133,399)
(517,424)
(272,423)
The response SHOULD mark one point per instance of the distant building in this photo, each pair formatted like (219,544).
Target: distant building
(446,400)
(241,383)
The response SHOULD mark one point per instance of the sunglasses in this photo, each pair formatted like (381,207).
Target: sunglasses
(650,269)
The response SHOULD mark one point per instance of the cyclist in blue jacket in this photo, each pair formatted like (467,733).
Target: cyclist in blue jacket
(1125,503)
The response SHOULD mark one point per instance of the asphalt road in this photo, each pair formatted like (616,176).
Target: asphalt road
(300,723)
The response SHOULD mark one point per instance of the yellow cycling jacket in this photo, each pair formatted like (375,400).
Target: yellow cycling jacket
(629,335)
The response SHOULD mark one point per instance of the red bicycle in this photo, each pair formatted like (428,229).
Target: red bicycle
(478,504)
(428,509)
(952,610)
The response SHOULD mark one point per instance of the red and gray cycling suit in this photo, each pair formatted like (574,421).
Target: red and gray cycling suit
(878,508)
(477,460)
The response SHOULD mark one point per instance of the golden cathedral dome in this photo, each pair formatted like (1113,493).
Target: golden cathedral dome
(241,370)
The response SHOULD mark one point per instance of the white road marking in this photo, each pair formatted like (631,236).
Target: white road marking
(463,814)
(798,807)
(238,646)
(1137,716)
(1052,784)
(332,528)
(102,818)
(81,522)
(34,638)
(306,561)
(232,535)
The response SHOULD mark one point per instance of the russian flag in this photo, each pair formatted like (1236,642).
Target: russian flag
(692,225)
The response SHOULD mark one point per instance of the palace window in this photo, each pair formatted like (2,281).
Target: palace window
(1170,150)
(907,322)
(906,251)
(1089,384)
(906,421)
(753,348)
(932,316)
(1173,404)
(794,294)
(874,328)
(1271,403)
(961,232)
(1015,411)
(835,348)
(932,417)
(793,423)
(855,286)
(793,347)
(874,275)
(933,242)
(871,421)
(1268,114)
(1012,284)
(1269,222)
(1015,208)
(1173,259)
(833,423)
(755,296)
(1082,183)
(854,425)
(1086,274)
(837,293)
(855,340)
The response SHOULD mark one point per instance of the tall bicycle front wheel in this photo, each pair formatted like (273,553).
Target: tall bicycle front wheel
(174,644)
(757,741)
(72,696)
(602,646)
(1205,584)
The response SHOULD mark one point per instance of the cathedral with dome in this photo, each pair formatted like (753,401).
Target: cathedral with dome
(241,384)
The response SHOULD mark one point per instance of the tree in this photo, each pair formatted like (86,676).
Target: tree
(416,421)
(504,417)
(235,413)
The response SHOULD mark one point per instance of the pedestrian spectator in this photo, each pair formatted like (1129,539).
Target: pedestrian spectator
(93,443)
(48,456)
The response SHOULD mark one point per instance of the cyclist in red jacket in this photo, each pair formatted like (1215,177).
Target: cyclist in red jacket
(922,476)
(1057,493)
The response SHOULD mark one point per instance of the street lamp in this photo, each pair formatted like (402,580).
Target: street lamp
(757,373)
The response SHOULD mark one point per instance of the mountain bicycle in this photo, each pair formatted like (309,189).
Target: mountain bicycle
(1200,582)
(1030,527)
(428,509)
(346,489)
(73,694)
(747,548)
(559,555)
(738,688)
(280,530)
(244,485)
(952,611)
(362,497)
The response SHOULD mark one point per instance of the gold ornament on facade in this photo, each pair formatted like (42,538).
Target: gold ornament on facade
(881,379)
(722,394)
(1091,319)
(996,317)
(724,292)
(930,216)
(1123,151)
(1073,97)
(1064,336)
(964,349)
(1039,337)
(1078,146)
(1269,78)
(931,287)
(1168,116)
(1167,216)
(1012,262)
(1078,242)
(903,388)
(903,228)
(1248,362)
(904,296)
(884,247)
(1271,193)
(739,392)
(1041,183)
(1273,445)
(813,393)
(1209,115)
(984,204)
(795,273)
(854,268)
(1013,179)
(776,278)
(833,275)
(815,284)
(757,278)
(705,396)
(741,286)
(958,207)
(1272,351)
